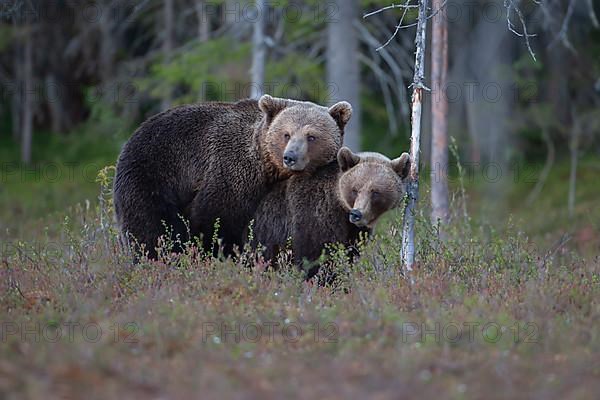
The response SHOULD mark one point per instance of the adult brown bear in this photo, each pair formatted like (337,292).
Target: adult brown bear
(333,205)
(212,161)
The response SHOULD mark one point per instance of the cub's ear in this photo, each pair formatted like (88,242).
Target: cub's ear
(341,113)
(271,106)
(347,159)
(401,165)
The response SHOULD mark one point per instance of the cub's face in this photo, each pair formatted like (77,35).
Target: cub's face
(302,136)
(370,185)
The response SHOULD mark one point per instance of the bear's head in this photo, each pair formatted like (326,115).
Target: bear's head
(370,184)
(302,136)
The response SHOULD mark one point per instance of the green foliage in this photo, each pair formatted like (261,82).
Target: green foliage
(218,70)
(104,120)
(376,135)
(213,70)
(295,76)
(6,36)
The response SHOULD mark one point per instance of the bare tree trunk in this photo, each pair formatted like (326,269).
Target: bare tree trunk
(167,44)
(15,109)
(574,149)
(16,102)
(412,190)
(259,51)
(27,133)
(15,112)
(107,46)
(481,74)
(472,130)
(343,68)
(439,114)
(55,105)
(487,93)
(203,20)
(558,87)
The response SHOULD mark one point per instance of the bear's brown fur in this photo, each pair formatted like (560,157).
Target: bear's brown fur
(212,161)
(314,210)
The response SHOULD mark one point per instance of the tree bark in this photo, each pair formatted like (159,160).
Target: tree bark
(558,87)
(107,45)
(412,191)
(343,68)
(16,100)
(259,50)
(203,20)
(55,105)
(574,150)
(439,114)
(167,44)
(489,97)
(27,133)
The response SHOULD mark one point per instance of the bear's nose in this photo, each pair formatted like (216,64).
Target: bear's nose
(290,158)
(355,215)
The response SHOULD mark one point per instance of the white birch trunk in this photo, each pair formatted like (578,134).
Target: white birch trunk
(259,51)
(412,190)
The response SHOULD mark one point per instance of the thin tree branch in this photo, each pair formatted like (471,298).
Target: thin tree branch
(391,62)
(510,5)
(405,6)
(428,17)
(397,28)
(385,83)
(593,16)
(563,34)
(400,26)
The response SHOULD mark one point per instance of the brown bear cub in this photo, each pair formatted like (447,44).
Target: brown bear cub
(215,161)
(333,205)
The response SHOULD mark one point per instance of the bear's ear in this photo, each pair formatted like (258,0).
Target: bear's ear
(347,159)
(401,165)
(271,106)
(341,113)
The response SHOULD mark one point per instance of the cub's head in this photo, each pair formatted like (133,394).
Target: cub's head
(302,136)
(370,184)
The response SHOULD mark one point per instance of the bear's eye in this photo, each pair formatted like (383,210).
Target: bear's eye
(354,192)
(287,136)
(311,138)
(375,194)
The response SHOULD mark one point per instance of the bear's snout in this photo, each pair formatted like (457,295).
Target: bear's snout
(294,154)
(355,215)
(290,158)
